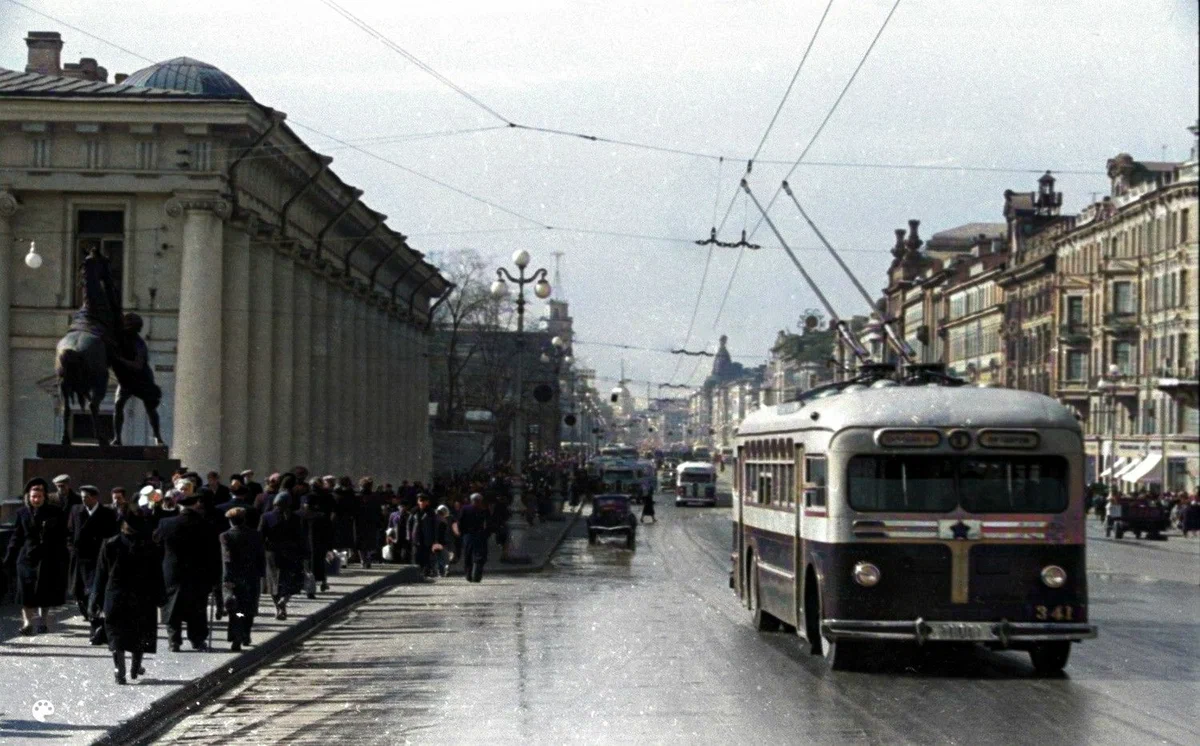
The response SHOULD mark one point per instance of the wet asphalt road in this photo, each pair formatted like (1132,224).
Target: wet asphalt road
(651,646)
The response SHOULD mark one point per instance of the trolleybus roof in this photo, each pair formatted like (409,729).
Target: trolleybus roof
(928,405)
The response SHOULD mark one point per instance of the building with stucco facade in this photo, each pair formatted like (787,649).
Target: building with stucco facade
(287,322)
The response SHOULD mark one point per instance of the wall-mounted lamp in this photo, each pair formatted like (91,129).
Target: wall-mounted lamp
(33,260)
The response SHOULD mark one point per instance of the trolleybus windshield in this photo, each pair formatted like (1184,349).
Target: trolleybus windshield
(939,484)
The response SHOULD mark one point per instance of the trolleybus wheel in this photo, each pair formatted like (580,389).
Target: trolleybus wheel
(1050,657)
(630,540)
(591,537)
(838,656)
(763,621)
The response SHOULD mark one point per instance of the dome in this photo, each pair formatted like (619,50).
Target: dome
(187,74)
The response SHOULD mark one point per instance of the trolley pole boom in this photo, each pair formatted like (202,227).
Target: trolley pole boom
(900,345)
(860,352)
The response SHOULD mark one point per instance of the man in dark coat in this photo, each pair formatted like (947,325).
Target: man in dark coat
(240,498)
(317,513)
(37,556)
(127,591)
(283,540)
(472,525)
(191,568)
(424,535)
(243,568)
(88,525)
(254,488)
(368,523)
(265,499)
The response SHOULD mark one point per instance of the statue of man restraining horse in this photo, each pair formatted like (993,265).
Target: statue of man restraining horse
(100,338)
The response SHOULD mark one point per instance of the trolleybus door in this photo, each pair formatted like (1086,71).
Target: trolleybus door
(797,488)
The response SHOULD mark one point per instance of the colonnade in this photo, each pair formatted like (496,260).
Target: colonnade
(280,363)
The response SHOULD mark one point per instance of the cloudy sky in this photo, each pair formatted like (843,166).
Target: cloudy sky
(1008,89)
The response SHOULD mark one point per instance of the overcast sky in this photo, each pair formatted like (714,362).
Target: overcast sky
(1023,84)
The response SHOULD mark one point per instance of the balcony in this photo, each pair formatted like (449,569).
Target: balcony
(1121,322)
(1181,383)
(1074,333)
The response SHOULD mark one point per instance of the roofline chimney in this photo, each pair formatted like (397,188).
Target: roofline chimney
(45,52)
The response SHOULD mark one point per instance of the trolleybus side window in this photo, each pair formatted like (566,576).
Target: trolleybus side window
(1013,484)
(814,481)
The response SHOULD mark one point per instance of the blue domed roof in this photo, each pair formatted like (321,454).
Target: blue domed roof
(187,74)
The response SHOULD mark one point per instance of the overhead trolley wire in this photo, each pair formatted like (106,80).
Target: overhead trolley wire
(811,142)
(828,116)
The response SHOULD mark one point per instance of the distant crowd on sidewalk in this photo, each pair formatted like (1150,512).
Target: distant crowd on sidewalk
(1182,508)
(185,550)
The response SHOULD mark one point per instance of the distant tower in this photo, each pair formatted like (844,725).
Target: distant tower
(558,286)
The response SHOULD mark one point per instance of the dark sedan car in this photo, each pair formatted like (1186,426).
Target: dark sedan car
(611,515)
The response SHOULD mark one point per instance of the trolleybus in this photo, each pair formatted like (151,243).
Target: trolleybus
(923,511)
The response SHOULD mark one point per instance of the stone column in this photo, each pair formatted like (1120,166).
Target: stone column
(302,368)
(390,382)
(8,209)
(199,359)
(262,338)
(361,379)
(379,395)
(424,439)
(283,363)
(345,416)
(319,363)
(235,373)
(405,415)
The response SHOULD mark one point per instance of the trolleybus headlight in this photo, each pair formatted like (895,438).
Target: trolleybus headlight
(1054,576)
(866,574)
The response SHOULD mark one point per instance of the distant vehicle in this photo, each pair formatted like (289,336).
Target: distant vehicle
(620,477)
(620,451)
(924,510)
(611,516)
(701,453)
(1137,516)
(695,483)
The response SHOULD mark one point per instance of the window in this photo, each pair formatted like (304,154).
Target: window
(1013,484)
(200,155)
(147,155)
(909,484)
(815,478)
(764,487)
(1074,310)
(105,230)
(41,152)
(93,153)
(1123,357)
(1183,225)
(1122,301)
(1076,363)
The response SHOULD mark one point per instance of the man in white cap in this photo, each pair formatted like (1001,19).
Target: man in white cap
(63,496)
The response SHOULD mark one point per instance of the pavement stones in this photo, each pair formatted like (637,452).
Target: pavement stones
(57,688)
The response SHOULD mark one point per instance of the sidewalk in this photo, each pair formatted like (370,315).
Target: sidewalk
(62,668)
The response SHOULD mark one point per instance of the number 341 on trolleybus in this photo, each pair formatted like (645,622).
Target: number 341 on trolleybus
(926,513)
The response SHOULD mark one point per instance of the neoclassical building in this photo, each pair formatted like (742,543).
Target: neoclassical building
(287,322)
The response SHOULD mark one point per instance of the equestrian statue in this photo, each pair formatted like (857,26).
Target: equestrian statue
(100,338)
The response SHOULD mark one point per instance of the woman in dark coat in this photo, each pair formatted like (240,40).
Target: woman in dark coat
(283,539)
(368,524)
(317,512)
(345,513)
(243,568)
(37,552)
(128,590)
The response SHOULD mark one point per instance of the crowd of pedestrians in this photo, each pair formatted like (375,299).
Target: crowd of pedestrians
(187,547)
(1182,508)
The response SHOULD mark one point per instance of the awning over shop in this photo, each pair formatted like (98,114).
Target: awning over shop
(1130,466)
(1142,470)
(1118,465)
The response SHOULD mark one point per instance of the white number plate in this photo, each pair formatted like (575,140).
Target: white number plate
(960,631)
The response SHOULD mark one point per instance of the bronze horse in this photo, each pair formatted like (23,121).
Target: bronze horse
(94,343)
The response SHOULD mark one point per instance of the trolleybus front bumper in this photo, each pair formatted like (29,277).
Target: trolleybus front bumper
(1002,633)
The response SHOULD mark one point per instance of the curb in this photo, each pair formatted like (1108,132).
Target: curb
(540,566)
(168,710)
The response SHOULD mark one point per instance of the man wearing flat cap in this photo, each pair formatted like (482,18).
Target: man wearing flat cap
(88,525)
(63,495)
(191,570)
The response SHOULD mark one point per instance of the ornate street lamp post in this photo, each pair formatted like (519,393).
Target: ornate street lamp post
(541,288)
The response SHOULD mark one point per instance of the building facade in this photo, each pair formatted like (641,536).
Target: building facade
(287,323)
(1098,310)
